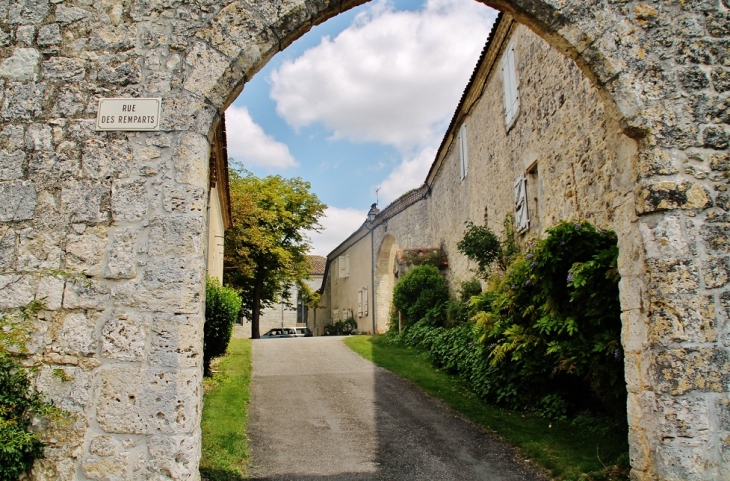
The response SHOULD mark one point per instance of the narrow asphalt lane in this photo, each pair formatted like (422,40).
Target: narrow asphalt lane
(319,411)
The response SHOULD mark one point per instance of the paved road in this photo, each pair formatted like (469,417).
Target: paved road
(321,412)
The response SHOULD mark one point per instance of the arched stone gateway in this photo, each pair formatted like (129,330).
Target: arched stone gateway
(384,281)
(128,209)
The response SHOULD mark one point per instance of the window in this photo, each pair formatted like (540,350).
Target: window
(534,195)
(344,266)
(359,303)
(462,152)
(509,79)
(522,219)
(365,300)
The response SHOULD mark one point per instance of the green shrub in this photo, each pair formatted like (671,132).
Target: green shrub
(341,328)
(222,305)
(19,400)
(419,291)
(546,337)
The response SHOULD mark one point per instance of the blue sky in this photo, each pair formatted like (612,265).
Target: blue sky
(360,103)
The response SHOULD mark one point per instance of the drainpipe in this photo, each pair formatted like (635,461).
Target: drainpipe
(373,307)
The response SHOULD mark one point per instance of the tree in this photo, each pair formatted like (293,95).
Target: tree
(266,248)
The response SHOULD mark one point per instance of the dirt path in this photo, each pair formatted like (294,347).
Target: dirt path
(320,411)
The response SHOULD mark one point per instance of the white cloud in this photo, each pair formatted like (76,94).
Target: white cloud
(251,146)
(338,225)
(409,174)
(391,77)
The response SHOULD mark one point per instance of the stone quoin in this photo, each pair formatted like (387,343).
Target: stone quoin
(130,211)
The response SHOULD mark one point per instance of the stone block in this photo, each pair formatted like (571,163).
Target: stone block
(28,11)
(64,69)
(191,160)
(716,238)
(663,236)
(22,65)
(106,469)
(104,159)
(175,456)
(177,234)
(149,401)
(39,137)
(668,195)
(173,284)
(66,14)
(177,341)
(73,334)
(121,259)
(183,198)
(715,137)
(124,336)
(673,276)
(121,73)
(129,200)
(39,250)
(716,271)
(49,35)
(11,164)
(683,319)
(12,137)
(633,330)
(19,200)
(684,421)
(103,446)
(23,101)
(83,201)
(68,386)
(677,463)
(16,290)
(85,252)
(680,370)
(50,289)
(85,295)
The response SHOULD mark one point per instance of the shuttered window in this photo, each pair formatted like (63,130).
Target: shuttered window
(509,78)
(522,218)
(462,152)
(343,264)
(359,303)
(365,301)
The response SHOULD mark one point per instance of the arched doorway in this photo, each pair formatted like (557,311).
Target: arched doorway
(662,81)
(385,281)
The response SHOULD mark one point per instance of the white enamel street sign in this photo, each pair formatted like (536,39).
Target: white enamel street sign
(129,114)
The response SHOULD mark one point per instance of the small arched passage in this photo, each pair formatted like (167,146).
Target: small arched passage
(384,281)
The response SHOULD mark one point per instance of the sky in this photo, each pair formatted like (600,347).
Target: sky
(359,104)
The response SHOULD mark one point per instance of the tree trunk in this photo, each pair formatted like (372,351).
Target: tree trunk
(256,308)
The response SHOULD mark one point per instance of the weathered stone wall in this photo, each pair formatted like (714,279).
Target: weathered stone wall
(129,210)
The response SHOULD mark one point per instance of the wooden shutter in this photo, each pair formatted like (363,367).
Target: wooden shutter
(359,303)
(522,219)
(509,77)
(365,300)
(462,151)
(342,265)
(347,265)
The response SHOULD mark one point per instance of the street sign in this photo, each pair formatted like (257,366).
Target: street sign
(129,114)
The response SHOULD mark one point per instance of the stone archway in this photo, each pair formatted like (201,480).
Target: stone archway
(129,338)
(384,281)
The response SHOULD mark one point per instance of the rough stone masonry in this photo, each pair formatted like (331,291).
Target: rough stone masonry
(127,211)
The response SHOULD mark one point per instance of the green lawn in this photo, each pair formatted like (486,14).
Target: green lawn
(567,451)
(225,407)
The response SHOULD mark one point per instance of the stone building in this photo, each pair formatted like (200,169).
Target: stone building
(128,339)
(291,311)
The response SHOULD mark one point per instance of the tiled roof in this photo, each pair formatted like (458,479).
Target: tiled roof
(316,265)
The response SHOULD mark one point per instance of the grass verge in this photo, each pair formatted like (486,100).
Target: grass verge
(587,450)
(225,409)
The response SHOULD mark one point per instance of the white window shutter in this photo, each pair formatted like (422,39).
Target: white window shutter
(522,218)
(463,155)
(342,265)
(365,300)
(359,303)
(509,77)
(347,265)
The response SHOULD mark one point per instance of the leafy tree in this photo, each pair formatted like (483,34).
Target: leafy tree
(266,248)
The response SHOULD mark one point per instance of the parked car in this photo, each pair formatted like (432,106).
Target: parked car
(279,332)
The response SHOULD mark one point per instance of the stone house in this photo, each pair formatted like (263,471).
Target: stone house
(530,138)
(219,201)
(292,311)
